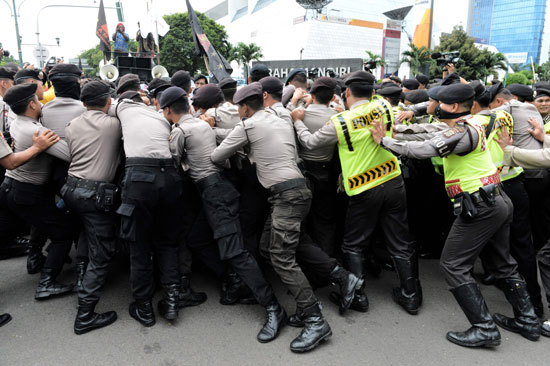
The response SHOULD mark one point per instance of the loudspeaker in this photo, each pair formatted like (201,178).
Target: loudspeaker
(141,66)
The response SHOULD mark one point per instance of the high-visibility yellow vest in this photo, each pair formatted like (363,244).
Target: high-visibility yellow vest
(365,164)
(547,124)
(467,173)
(503,121)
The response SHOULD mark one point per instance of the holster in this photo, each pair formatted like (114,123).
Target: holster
(108,197)
(464,206)
(488,193)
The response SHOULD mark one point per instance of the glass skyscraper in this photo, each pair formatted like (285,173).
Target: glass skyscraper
(512,26)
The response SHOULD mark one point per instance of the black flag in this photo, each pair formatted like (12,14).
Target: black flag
(218,66)
(102,32)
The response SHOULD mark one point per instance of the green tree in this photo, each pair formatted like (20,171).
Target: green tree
(474,63)
(177,48)
(378,60)
(543,71)
(517,78)
(7,59)
(94,55)
(416,57)
(244,54)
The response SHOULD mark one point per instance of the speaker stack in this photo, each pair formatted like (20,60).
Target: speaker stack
(141,66)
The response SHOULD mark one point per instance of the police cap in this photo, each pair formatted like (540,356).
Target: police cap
(390,91)
(521,91)
(422,79)
(456,93)
(127,82)
(94,89)
(20,94)
(181,78)
(6,73)
(362,77)
(272,85)
(228,83)
(171,95)
(411,84)
(451,79)
(258,72)
(251,90)
(28,74)
(495,89)
(65,71)
(417,96)
(293,74)
(324,82)
(207,96)
(433,91)
(478,87)
(156,85)
(540,92)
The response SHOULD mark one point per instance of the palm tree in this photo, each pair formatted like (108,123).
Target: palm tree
(245,53)
(415,57)
(377,59)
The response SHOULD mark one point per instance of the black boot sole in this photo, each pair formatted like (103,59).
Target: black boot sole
(324,338)
(46,295)
(335,299)
(526,335)
(80,331)
(487,343)
(7,319)
(544,332)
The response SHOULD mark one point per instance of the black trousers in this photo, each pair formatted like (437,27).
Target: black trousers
(490,229)
(151,222)
(521,244)
(220,202)
(36,205)
(321,220)
(314,262)
(385,204)
(538,190)
(99,231)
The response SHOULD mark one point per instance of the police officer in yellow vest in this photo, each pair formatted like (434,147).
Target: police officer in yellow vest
(484,213)
(372,178)
(521,244)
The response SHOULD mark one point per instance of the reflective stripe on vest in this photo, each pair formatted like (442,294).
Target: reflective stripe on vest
(365,164)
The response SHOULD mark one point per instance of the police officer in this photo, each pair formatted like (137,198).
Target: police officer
(410,84)
(257,73)
(150,209)
(521,92)
(273,148)
(28,191)
(273,92)
(295,89)
(484,213)
(542,102)
(95,145)
(372,179)
(193,141)
(154,90)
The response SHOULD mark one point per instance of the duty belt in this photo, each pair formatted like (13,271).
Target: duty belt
(74,182)
(209,180)
(477,198)
(152,162)
(311,164)
(285,186)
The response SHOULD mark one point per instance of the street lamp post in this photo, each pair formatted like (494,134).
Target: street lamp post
(13,12)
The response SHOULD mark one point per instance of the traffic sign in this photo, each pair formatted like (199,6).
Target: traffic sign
(41,53)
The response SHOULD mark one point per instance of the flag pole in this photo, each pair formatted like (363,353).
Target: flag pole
(206,64)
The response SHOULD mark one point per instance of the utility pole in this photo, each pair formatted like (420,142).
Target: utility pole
(14,14)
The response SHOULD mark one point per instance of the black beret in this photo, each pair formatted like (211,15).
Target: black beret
(94,89)
(293,74)
(126,82)
(65,70)
(6,73)
(180,78)
(422,79)
(542,85)
(495,89)
(540,92)
(271,84)
(25,74)
(129,94)
(228,83)
(362,77)
(396,79)
(433,91)
(379,86)
(12,66)
(456,93)
(157,85)
(259,71)
(478,87)
(207,96)
(521,91)
(170,95)
(324,82)
(20,94)
(451,79)
(200,76)
(390,91)
(247,91)
(417,96)
(411,84)
(387,84)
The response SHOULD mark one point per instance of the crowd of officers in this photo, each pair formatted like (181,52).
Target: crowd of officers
(241,179)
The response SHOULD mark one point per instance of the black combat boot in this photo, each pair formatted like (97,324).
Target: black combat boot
(4,319)
(354,263)
(348,284)
(87,319)
(81,266)
(545,328)
(35,259)
(297,319)
(47,286)
(484,332)
(142,311)
(275,320)
(234,291)
(409,294)
(525,321)
(168,306)
(16,247)
(316,330)
(188,297)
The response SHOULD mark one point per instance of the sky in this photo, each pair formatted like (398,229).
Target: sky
(75,27)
